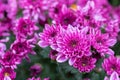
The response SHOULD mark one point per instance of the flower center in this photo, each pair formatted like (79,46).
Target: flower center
(113,67)
(24,25)
(83,64)
(73,6)
(56,10)
(73,43)
(53,34)
(6,74)
(20,45)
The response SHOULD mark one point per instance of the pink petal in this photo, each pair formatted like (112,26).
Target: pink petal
(7,78)
(54,46)
(114,76)
(111,42)
(61,58)
(110,52)
(42,44)
(106,78)
(64,9)
(72,61)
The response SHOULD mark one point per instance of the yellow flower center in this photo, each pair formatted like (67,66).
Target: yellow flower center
(83,64)
(7,74)
(73,6)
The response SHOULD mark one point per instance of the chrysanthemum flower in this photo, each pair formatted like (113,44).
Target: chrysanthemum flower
(25,28)
(66,17)
(35,69)
(55,9)
(10,7)
(10,60)
(53,54)
(102,42)
(7,74)
(73,43)
(111,64)
(85,64)
(34,9)
(49,36)
(21,47)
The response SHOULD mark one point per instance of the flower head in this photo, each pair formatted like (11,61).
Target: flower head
(35,69)
(7,74)
(111,64)
(73,43)
(85,64)
(66,17)
(49,36)
(53,54)
(21,47)
(25,27)
(9,59)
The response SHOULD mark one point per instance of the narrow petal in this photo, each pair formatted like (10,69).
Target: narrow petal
(111,42)
(72,61)
(106,78)
(61,58)
(110,52)
(42,44)
(114,76)
(7,78)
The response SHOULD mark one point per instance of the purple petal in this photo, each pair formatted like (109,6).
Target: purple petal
(64,9)
(111,42)
(106,78)
(114,76)
(54,46)
(110,52)
(7,78)
(61,58)
(42,44)
(72,61)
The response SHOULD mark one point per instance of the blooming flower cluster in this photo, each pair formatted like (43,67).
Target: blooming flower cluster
(78,31)
(81,34)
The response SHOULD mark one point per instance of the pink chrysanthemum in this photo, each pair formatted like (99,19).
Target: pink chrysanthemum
(10,60)
(34,9)
(10,7)
(85,64)
(111,64)
(112,28)
(53,54)
(55,10)
(49,36)
(72,43)
(66,17)
(25,27)
(35,69)
(101,42)
(22,47)
(7,74)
